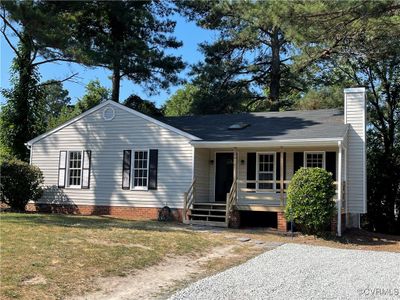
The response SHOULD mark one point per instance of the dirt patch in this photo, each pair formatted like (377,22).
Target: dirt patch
(115,244)
(38,279)
(153,281)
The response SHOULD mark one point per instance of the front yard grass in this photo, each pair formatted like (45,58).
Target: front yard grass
(51,256)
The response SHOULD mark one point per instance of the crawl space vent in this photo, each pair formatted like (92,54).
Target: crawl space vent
(238,126)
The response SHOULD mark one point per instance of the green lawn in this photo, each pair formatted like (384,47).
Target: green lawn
(50,256)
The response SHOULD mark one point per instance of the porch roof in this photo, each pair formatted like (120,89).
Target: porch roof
(264,127)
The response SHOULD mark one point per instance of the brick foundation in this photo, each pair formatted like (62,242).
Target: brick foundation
(281,221)
(117,211)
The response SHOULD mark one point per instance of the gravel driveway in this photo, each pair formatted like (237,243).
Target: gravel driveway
(295,271)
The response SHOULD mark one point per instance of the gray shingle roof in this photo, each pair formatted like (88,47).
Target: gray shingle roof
(325,123)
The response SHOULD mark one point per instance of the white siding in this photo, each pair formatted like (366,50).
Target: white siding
(107,140)
(201,174)
(355,113)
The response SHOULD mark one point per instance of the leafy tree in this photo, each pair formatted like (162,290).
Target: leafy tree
(128,37)
(55,97)
(251,51)
(95,94)
(325,97)
(144,106)
(180,103)
(22,115)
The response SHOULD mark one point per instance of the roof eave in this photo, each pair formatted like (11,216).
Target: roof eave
(268,143)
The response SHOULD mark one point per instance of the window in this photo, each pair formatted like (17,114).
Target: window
(266,171)
(74,168)
(140,169)
(314,159)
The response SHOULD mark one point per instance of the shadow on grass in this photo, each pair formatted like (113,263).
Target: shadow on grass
(87,222)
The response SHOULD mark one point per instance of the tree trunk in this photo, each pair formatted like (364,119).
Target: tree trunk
(116,78)
(23,93)
(274,85)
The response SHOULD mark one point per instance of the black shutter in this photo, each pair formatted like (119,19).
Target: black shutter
(153,166)
(330,163)
(251,169)
(126,169)
(298,161)
(278,169)
(87,155)
(62,168)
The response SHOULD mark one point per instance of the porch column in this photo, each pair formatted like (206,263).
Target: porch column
(236,170)
(281,166)
(339,191)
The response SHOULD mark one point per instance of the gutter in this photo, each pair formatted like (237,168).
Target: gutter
(268,143)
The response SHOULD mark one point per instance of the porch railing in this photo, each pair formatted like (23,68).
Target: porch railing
(231,200)
(188,201)
(275,193)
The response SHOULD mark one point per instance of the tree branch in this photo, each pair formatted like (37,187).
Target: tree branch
(54,60)
(50,82)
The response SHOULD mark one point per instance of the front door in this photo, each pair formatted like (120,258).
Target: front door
(223,175)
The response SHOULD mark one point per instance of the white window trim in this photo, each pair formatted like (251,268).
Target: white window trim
(67,185)
(139,188)
(315,152)
(265,191)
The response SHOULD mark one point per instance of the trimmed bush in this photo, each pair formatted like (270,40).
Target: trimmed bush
(309,200)
(20,183)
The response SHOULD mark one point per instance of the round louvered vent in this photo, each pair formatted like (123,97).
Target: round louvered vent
(108,114)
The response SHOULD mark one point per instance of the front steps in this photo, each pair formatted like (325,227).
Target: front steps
(208,213)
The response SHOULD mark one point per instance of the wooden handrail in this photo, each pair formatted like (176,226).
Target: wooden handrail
(188,200)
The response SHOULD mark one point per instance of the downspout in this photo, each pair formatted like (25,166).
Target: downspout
(339,191)
(30,152)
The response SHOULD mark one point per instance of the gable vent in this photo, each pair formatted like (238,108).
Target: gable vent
(238,126)
(108,113)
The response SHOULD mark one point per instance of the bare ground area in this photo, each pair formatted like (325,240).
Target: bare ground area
(173,273)
(159,280)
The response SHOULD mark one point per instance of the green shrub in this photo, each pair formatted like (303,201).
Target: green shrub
(309,200)
(20,183)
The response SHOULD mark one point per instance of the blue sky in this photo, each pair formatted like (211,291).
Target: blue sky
(187,32)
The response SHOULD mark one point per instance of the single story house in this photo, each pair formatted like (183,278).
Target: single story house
(115,160)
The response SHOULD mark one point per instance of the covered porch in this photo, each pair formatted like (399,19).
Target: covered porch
(254,176)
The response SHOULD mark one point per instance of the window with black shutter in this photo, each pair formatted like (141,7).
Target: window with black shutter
(126,169)
(331,164)
(62,169)
(153,166)
(87,156)
(298,161)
